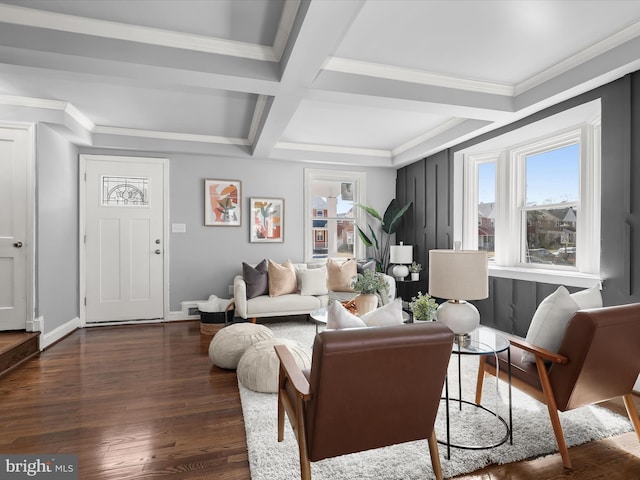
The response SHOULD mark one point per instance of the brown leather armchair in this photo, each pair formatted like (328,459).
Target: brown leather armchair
(597,360)
(367,388)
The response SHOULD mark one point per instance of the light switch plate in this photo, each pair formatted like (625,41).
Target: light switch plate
(178,227)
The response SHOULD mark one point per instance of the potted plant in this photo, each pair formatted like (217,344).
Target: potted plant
(367,285)
(415,270)
(388,224)
(423,307)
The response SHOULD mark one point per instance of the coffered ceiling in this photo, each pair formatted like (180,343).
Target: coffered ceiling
(357,82)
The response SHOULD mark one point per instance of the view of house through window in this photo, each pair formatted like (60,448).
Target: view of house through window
(550,211)
(487,207)
(332,200)
(535,202)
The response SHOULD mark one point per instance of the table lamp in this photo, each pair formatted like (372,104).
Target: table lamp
(401,255)
(458,276)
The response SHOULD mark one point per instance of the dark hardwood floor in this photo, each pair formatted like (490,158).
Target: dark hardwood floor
(144,402)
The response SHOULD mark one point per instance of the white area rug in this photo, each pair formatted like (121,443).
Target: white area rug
(533,435)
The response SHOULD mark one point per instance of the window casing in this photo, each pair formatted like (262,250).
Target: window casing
(552,237)
(330,213)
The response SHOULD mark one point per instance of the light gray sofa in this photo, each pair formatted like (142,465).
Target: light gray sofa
(290,304)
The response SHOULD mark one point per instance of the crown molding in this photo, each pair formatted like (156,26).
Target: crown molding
(134,33)
(620,38)
(182,137)
(308,147)
(47,104)
(449,124)
(390,72)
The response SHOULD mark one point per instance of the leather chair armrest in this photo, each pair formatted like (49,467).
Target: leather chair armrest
(544,354)
(293,372)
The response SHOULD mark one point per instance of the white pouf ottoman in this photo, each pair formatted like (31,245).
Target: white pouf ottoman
(259,366)
(230,343)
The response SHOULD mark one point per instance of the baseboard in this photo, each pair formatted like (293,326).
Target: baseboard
(58,333)
(35,325)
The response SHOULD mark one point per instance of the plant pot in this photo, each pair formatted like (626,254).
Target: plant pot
(365,302)
(415,276)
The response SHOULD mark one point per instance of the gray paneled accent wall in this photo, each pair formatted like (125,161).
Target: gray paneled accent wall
(511,303)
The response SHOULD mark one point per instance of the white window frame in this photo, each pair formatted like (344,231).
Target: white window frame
(510,206)
(359,181)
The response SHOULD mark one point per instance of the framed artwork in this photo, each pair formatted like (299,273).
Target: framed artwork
(267,220)
(222,203)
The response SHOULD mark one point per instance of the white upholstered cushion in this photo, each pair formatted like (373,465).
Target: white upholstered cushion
(550,322)
(313,281)
(390,314)
(339,317)
(589,298)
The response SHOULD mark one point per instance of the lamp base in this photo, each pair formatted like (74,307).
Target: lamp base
(400,271)
(460,316)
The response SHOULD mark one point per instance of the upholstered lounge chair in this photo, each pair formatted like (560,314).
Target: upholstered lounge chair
(597,360)
(367,388)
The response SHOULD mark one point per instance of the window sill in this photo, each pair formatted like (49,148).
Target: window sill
(554,277)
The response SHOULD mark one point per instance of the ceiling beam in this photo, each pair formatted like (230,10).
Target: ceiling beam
(318,29)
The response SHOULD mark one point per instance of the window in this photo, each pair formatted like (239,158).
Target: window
(331,213)
(534,205)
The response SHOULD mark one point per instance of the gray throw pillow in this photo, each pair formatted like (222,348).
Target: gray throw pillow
(257,279)
(370,265)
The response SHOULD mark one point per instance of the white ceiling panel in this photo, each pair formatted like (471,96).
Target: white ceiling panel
(357,127)
(362,82)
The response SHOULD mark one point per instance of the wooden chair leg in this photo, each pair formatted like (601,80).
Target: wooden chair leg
(280,416)
(305,465)
(435,455)
(480,380)
(553,412)
(632,412)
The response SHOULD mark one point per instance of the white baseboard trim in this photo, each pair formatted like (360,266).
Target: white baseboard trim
(58,333)
(35,325)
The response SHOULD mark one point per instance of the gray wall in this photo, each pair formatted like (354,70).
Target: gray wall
(204,260)
(57,274)
(511,303)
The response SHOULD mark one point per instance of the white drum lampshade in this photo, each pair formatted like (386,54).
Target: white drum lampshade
(458,276)
(402,255)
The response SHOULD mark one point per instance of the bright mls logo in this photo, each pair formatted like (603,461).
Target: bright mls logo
(51,467)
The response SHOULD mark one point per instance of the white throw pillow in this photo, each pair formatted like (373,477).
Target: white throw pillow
(390,314)
(589,298)
(339,317)
(313,281)
(550,321)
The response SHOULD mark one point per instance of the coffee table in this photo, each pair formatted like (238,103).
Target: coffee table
(319,316)
(482,341)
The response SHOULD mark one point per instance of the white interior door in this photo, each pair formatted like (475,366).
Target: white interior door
(14,217)
(124,244)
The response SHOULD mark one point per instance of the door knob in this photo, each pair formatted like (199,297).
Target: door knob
(158,252)
(18,244)
(157,241)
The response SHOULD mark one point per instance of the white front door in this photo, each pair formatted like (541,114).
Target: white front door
(124,243)
(15,206)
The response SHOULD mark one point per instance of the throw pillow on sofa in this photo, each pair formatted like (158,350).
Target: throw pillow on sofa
(340,275)
(313,281)
(257,279)
(550,322)
(282,278)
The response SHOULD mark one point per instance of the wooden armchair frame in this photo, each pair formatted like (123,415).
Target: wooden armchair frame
(546,361)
